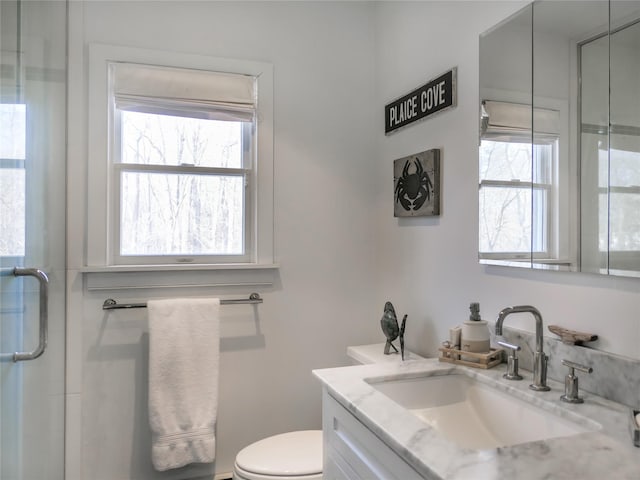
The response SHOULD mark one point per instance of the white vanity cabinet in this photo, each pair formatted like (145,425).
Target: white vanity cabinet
(353,452)
(367,435)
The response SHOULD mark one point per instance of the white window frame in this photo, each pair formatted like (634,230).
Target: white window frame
(102,208)
(548,219)
(157,106)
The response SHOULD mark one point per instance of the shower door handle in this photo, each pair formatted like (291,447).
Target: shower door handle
(44,315)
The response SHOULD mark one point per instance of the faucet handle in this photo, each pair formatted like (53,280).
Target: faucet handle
(512,361)
(576,366)
(510,346)
(571,382)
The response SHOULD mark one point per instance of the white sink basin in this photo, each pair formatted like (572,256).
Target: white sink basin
(476,415)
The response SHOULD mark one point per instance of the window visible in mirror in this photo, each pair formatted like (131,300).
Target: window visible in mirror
(512,206)
(624,191)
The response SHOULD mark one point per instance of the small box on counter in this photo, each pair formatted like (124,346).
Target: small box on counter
(470,359)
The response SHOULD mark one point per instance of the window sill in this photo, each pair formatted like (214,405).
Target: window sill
(127,277)
(178,267)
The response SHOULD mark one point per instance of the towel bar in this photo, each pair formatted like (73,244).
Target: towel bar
(111,304)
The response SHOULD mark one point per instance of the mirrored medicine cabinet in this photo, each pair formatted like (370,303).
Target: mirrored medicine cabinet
(559,149)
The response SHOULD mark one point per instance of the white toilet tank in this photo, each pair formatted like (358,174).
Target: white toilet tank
(374,353)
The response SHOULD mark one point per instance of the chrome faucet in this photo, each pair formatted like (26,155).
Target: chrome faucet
(539,358)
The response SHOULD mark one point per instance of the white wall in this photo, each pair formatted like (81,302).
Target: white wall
(341,251)
(322,300)
(429,267)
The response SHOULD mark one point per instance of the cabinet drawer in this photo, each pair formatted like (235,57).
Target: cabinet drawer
(352,451)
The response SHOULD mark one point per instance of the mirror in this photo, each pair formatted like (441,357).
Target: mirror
(505,141)
(559,183)
(620,202)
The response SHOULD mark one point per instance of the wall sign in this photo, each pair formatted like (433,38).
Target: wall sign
(436,95)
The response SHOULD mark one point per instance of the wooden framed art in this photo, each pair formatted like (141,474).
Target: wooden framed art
(416,180)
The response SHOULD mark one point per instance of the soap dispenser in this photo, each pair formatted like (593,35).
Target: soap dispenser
(475,332)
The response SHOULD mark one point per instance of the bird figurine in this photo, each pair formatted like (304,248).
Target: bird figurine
(389,324)
(404,324)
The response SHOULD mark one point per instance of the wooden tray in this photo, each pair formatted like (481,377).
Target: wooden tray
(476,360)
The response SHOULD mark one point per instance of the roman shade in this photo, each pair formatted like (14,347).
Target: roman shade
(516,117)
(175,91)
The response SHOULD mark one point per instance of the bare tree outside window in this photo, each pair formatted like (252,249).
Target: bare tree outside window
(192,208)
(513,208)
(505,196)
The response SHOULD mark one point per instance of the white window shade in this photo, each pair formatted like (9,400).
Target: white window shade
(216,95)
(516,117)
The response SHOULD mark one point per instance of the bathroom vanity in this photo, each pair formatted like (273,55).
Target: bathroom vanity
(396,421)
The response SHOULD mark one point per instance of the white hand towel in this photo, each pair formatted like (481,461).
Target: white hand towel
(184,350)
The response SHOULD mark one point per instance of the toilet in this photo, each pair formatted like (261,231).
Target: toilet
(298,455)
(290,456)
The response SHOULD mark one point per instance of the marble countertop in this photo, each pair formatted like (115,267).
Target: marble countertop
(605,453)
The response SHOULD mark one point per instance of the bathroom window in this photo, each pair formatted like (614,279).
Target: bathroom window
(182,164)
(183,146)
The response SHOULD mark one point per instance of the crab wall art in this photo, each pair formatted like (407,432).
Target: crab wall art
(416,180)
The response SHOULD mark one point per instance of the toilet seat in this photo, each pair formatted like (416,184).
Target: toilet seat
(290,456)
(239,474)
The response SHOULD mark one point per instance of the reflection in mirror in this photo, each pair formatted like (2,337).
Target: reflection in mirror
(572,68)
(624,143)
(594,153)
(555,178)
(610,134)
(505,159)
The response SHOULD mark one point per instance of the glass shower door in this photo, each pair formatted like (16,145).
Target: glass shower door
(32,238)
